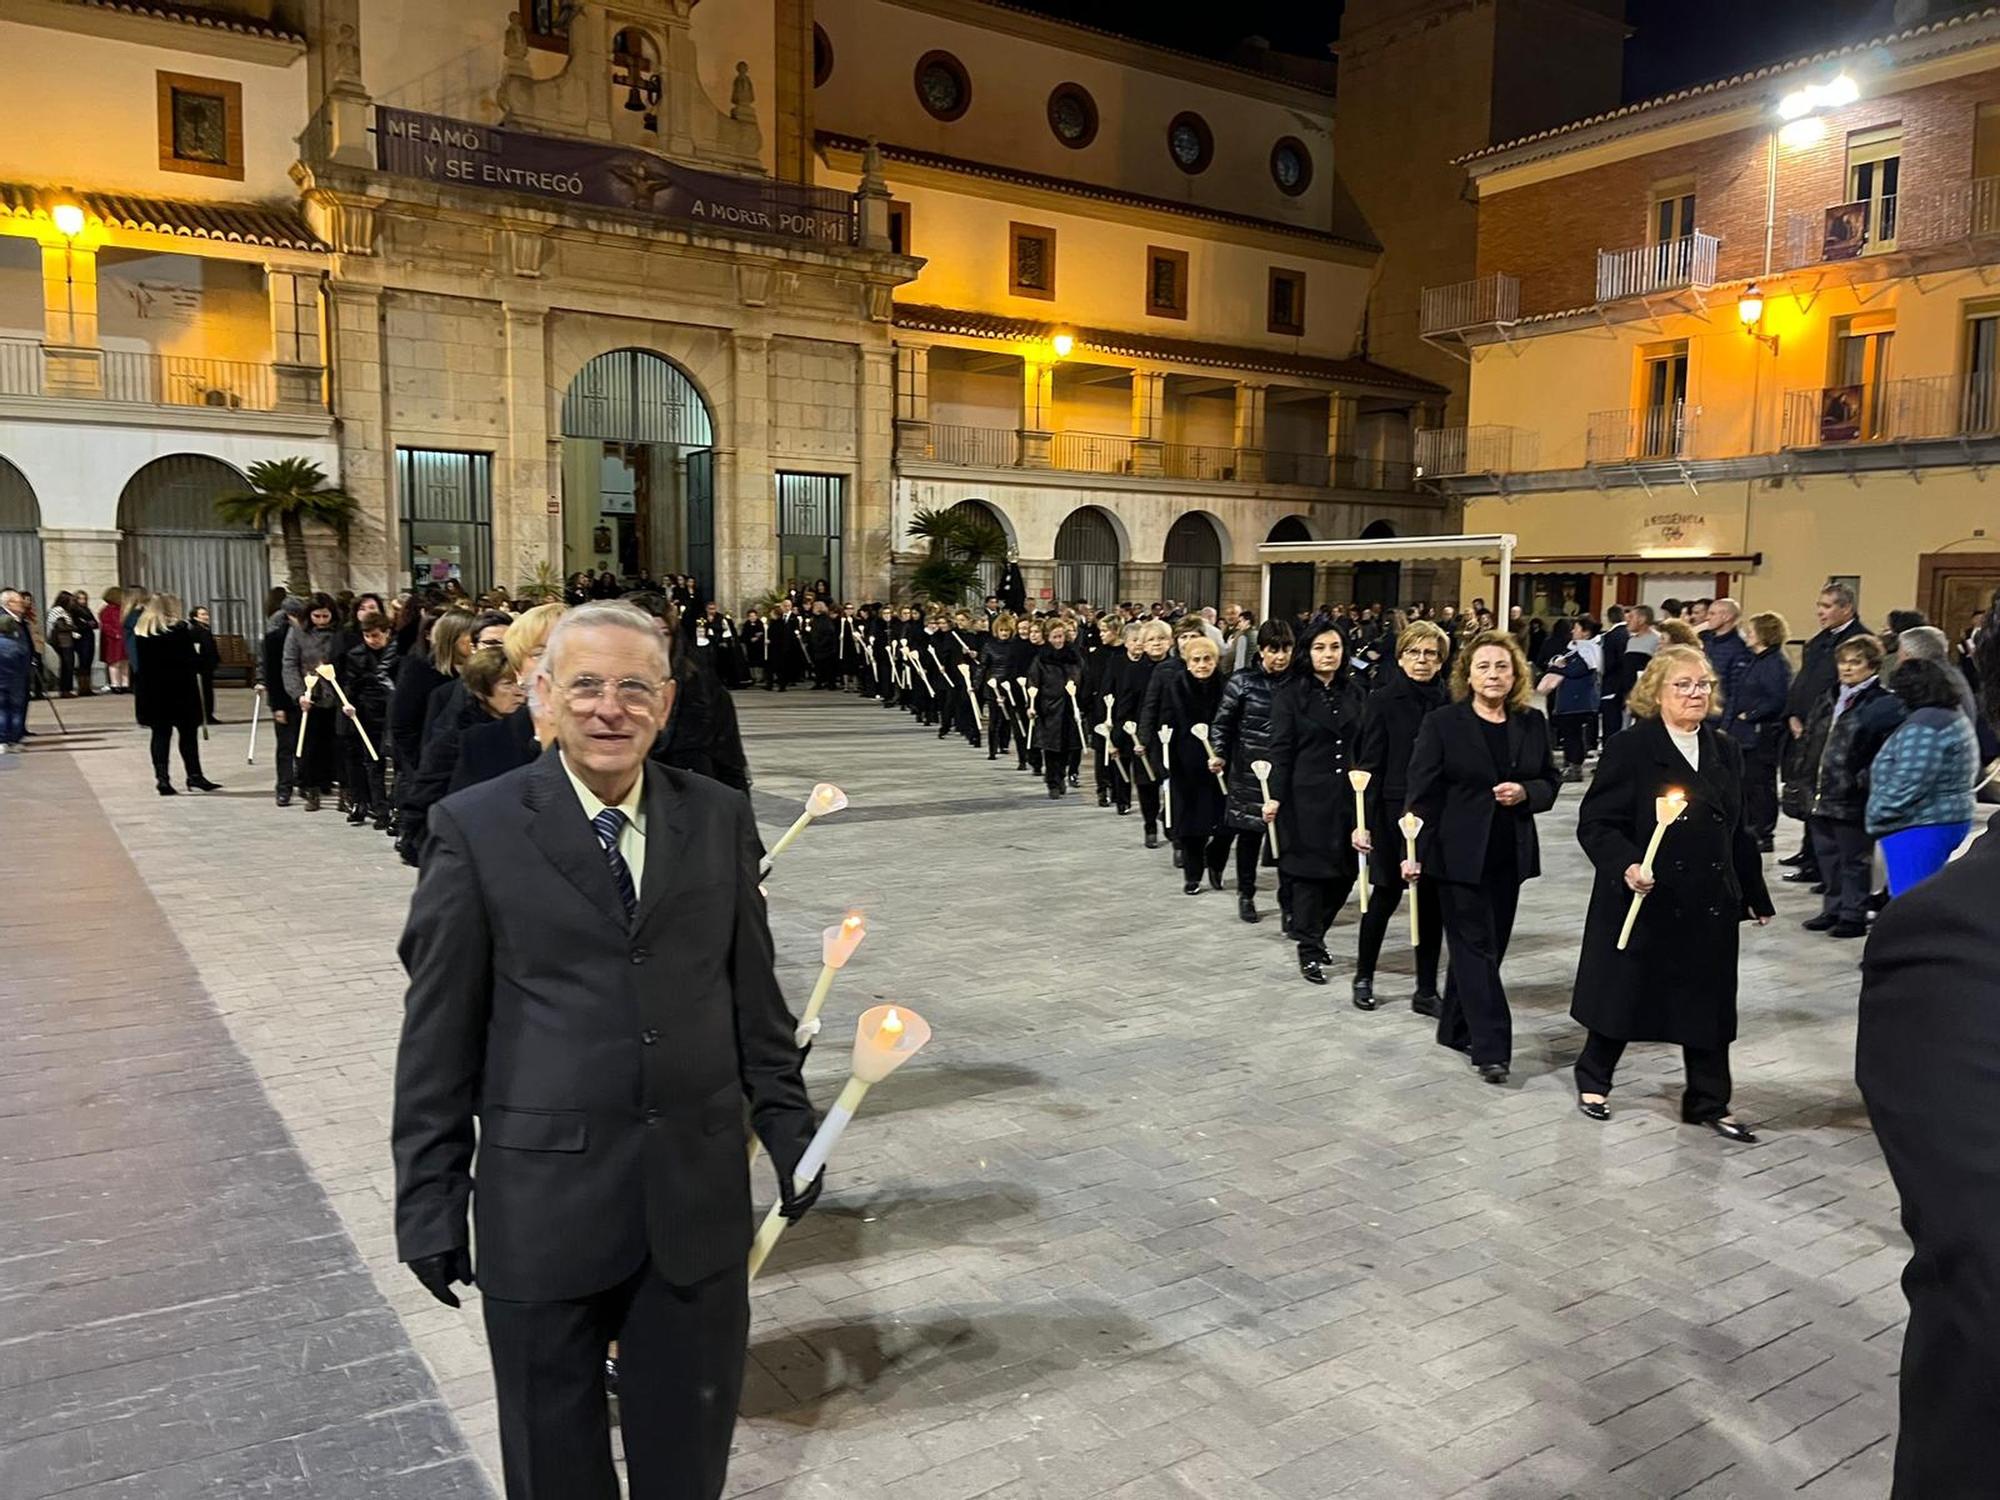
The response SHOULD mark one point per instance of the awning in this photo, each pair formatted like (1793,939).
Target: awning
(1499,545)
(1637,562)
(276,226)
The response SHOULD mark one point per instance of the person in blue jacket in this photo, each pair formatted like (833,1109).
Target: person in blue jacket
(1920,802)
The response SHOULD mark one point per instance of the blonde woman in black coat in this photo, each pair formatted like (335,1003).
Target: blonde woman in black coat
(1483,767)
(1179,703)
(166,692)
(1057,665)
(1315,729)
(1675,981)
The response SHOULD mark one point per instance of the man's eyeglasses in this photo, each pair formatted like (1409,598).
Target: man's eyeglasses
(1695,687)
(634,694)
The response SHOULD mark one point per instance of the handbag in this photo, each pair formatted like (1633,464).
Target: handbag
(1549,683)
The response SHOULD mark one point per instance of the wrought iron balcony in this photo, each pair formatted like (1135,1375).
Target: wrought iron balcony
(1641,433)
(1197,461)
(973,447)
(1469,304)
(1678,265)
(1492,448)
(125,377)
(1939,219)
(1928,407)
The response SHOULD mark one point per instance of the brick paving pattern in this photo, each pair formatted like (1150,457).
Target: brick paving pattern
(1152,1218)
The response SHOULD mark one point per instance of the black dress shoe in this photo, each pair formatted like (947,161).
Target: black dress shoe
(1124,809)
(1191,887)
(1055,791)
(1733,1130)
(1215,879)
(1800,877)
(1103,797)
(1364,992)
(1152,839)
(1593,1109)
(1424,1003)
(1311,966)
(166,788)
(285,798)
(202,784)
(1848,930)
(1820,923)
(1492,1072)
(1246,908)
(1177,856)
(1793,861)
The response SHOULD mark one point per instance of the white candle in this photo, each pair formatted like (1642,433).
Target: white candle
(825,798)
(1411,825)
(1665,810)
(1200,732)
(1359,781)
(1261,769)
(1166,777)
(1131,729)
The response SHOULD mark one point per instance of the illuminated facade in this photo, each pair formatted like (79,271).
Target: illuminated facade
(1743,339)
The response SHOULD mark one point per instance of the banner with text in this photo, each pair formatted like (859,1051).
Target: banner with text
(458,152)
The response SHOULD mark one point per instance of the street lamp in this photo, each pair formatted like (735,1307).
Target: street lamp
(68,219)
(1062,343)
(1750,313)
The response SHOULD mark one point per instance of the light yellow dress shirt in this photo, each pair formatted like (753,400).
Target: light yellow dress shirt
(632,838)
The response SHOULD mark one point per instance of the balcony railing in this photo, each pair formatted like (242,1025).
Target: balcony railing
(1640,433)
(974,447)
(1091,452)
(136,378)
(1469,304)
(1314,469)
(1926,407)
(1443,452)
(1669,266)
(1360,471)
(1932,219)
(1197,461)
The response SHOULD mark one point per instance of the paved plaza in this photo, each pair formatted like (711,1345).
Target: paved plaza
(1150,1218)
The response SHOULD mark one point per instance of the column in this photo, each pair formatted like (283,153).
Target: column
(793,128)
(1250,432)
(745,506)
(1341,412)
(72,364)
(913,400)
(527,502)
(375,557)
(868,530)
(1038,409)
(1149,429)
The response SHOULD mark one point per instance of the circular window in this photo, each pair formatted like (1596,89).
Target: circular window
(943,86)
(822,56)
(1190,142)
(1291,166)
(1073,115)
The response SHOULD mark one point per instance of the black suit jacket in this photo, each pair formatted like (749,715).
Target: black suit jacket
(1818,670)
(607,1063)
(1452,777)
(495,748)
(1927,1057)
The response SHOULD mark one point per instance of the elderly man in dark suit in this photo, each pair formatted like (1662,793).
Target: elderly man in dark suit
(1927,1058)
(591,980)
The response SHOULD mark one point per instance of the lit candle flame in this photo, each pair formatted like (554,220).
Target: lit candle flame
(851,921)
(892,1026)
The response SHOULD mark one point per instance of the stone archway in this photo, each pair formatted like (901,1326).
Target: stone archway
(1378,582)
(20,535)
(1193,557)
(638,470)
(1292,582)
(992,570)
(1087,558)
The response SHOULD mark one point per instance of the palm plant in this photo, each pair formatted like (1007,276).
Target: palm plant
(543,586)
(960,541)
(291,491)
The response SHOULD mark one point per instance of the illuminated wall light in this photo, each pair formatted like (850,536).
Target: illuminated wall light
(1839,91)
(1802,133)
(68,220)
(1062,344)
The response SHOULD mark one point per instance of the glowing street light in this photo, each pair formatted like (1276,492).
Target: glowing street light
(68,219)
(1062,343)
(1835,93)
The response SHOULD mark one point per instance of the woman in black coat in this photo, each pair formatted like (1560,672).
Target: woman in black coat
(1241,736)
(1179,703)
(1057,666)
(1756,721)
(1409,688)
(166,690)
(208,657)
(1021,655)
(995,648)
(1482,768)
(1675,981)
(1315,729)
(1100,681)
(1145,652)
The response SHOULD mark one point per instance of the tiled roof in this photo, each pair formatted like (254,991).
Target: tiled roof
(1723,85)
(980,325)
(994,172)
(232,223)
(196,15)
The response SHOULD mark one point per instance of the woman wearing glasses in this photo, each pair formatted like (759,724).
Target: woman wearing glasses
(1675,981)
(1408,690)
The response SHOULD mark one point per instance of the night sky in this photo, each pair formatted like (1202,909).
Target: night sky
(1675,42)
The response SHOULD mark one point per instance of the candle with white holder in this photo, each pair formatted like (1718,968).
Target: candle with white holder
(1261,769)
(1200,732)
(1359,781)
(1166,779)
(1665,810)
(1411,825)
(824,800)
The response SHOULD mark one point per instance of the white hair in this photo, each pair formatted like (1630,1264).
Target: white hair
(604,614)
(1735,609)
(1922,643)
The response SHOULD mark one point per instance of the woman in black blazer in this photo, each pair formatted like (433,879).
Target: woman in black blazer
(1315,729)
(1675,980)
(1482,768)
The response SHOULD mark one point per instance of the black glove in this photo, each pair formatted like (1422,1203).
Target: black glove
(794,1205)
(438,1272)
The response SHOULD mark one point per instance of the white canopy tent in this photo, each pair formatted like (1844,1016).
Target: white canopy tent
(1392,549)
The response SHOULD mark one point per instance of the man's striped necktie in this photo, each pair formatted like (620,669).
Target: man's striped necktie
(609,824)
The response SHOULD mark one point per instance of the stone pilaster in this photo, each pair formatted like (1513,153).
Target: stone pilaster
(745,507)
(375,557)
(526,530)
(1249,432)
(1038,406)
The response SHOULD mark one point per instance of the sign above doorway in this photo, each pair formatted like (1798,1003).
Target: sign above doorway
(460,153)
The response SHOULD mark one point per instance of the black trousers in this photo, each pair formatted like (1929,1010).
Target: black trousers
(1847,864)
(1060,762)
(362,775)
(1706,1096)
(1610,716)
(1570,729)
(1149,802)
(1207,851)
(1382,903)
(1315,903)
(163,737)
(66,675)
(284,733)
(680,1373)
(316,766)
(1760,790)
(998,727)
(1478,923)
